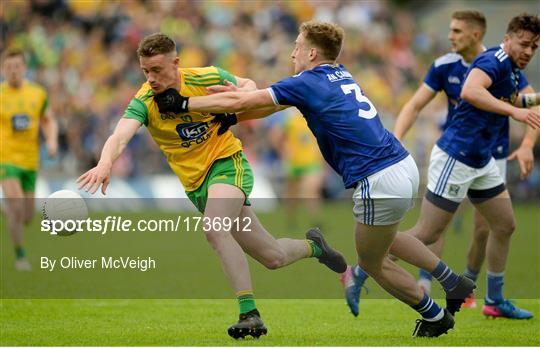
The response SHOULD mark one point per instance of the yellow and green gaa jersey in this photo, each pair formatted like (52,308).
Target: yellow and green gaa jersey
(301,144)
(20,110)
(189,140)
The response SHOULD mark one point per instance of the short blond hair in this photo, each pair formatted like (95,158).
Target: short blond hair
(472,17)
(327,37)
(157,43)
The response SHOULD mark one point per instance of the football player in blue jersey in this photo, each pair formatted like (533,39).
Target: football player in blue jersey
(462,162)
(370,159)
(447,74)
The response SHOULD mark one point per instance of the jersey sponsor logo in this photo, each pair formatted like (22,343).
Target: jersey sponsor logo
(20,122)
(193,133)
(453,190)
(454,80)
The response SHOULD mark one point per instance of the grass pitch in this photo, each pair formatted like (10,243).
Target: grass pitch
(204,323)
(183,303)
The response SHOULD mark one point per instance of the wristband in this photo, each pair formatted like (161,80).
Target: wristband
(528,100)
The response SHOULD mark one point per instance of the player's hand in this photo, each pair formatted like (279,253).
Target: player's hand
(225,121)
(525,158)
(226,87)
(171,101)
(527,116)
(98,176)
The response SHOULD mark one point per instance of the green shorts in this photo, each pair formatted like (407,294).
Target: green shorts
(26,177)
(299,171)
(233,170)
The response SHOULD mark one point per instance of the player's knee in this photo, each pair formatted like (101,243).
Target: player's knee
(505,228)
(28,217)
(430,237)
(426,234)
(15,215)
(215,239)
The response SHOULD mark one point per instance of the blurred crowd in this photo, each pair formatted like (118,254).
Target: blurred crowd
(84,53)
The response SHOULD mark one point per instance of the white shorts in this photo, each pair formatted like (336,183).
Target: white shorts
(450,181)
(384,197)
(501,164)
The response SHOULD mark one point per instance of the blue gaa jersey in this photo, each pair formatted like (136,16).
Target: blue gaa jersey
(447,73)
(348,129)
(473,133)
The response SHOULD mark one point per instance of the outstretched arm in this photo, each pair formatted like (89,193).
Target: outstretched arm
(100,175)
(259,113)
(232,101)
(245,85)
(475,92)
(410,110)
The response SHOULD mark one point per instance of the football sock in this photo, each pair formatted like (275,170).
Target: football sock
(19,252)
(425,275)
(495,282)
(472,275)
(445,276)
(246,301)
(429,309)
(315,250)
(359,273)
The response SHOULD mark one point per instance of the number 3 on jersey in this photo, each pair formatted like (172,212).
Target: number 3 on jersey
(371,111)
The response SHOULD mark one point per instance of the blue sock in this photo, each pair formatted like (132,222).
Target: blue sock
(425,275)
(359,273)
(445,276)
(429,309)
(472,275)
(495,282)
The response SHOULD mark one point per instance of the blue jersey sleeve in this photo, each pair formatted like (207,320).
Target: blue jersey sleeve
(434,79)
(290,91)
(523,82)
(489,64)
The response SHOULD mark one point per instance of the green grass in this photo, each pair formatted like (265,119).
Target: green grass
(204,323)
(182,302)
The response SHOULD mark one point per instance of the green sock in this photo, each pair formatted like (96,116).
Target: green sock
(19,252)
(315,250)
(246,301)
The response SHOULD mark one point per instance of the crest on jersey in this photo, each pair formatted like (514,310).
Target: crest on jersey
(454,79)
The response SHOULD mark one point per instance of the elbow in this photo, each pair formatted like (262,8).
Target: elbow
(467,94)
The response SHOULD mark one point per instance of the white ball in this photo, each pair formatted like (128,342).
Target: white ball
(62,206)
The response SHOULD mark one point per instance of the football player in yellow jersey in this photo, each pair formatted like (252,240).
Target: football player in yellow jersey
(303,164)
(213,170)
(23,108)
